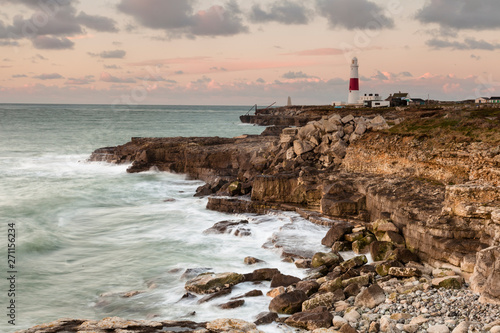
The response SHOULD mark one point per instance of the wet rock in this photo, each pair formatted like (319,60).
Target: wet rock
(327,259)
(308,286)
(229,227)
(194,272)
(394,238)
(232,325)
(383,225)
(336,233)
(303,263)
(251,261)
(252,293)
(283,280)
(210,283)
(265,318)
(218,294)
(263,274)
(325,300)
(370,297)
(288,303)
(311,320)
(363,280)
(232,304)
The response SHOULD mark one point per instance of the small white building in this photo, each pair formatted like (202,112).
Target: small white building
(482,100)
(374,101)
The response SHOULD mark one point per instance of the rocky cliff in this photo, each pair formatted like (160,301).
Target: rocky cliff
(435,175)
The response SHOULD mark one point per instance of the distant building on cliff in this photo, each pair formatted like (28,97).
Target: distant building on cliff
(373,101)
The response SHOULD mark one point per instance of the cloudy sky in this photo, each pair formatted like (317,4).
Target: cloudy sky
(245,52)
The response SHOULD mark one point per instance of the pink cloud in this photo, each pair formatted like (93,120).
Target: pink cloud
(317,52)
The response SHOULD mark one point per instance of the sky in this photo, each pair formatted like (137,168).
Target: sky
(235,52)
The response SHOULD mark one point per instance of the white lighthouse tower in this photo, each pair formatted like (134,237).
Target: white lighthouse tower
(354,83)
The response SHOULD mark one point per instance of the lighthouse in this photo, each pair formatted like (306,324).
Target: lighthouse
(354,83)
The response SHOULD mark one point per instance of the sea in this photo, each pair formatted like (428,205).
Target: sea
(88,240)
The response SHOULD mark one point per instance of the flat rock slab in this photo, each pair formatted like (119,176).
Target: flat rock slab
(209,283)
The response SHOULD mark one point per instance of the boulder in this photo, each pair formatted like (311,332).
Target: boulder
(382,268)
(310,320)
(336,232)
(218,294)
(209,283)
(331,285)
(251,261)
(303,263)
(307,131)
(232,304)
(288,303)
(370,297)
(352,290)
(252,293)
(404,272)
(346,328)
(264,318)
(326,300)
(363,245)
(357,261)
(380,250)
(283,280)
(327,259)
(393,237)
(362,280)
(339,149)
(263,274)
(360,129)
(347,119)
(486,277)
(448,282)
(231,227)
(232,325)
(383,225)
(352,315)
(301,147)
(276,291)
(308,286)
(405,256)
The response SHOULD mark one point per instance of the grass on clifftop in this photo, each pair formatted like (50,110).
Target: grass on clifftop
(460,126)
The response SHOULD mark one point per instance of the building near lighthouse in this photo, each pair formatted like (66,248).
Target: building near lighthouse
(354,83)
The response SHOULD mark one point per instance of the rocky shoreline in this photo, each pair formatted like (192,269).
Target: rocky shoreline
(426,209)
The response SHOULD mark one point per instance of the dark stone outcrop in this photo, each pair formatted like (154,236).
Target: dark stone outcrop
(288,303)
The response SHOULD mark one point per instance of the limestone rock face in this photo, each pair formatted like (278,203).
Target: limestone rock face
(210,283)
(486,277)
(288,303)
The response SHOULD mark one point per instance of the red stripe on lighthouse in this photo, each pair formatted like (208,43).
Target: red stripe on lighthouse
(354,84)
